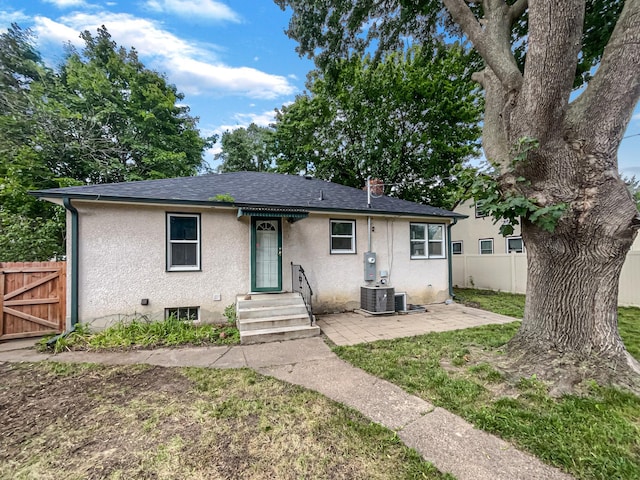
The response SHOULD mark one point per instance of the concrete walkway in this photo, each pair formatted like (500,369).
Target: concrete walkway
(449,442)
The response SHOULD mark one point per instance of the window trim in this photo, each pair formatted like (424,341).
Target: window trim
(353,249)
(167,313)
(168,242)
(427,241)
(480,246)
(461,252)
(515,237)
(477,211)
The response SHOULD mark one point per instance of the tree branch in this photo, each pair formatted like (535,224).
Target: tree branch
(554,42)
(517,9)
(493,42)
(604,109)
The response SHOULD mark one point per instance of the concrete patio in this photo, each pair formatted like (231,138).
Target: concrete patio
(350,328)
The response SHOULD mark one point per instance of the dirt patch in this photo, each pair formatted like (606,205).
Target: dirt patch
(93,422)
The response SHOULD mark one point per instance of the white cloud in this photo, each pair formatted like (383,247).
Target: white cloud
(263,119)
(210,9)
(194,68)
(7,18)
(197,77)
(125,29)
(636,117)
(66,3)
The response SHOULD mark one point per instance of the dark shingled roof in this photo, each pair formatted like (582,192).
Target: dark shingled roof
(248,189)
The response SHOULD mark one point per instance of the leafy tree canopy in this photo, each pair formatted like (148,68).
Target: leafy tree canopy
(100,117)
(246,149)
(408,120)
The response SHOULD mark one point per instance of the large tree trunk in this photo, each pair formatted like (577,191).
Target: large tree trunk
(571,307)
(572,292)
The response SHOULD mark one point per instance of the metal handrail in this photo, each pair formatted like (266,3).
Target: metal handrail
(300,284)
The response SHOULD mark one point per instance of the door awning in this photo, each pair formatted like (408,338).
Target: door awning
(291,214)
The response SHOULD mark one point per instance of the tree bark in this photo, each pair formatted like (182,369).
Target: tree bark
(573,275)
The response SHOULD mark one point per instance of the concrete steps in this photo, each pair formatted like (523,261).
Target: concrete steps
(273,317)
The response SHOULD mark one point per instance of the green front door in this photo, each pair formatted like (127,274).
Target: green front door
(266,255)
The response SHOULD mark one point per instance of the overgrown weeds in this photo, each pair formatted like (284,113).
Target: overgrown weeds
(144,333)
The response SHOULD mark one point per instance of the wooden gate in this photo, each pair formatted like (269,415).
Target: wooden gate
(32,299)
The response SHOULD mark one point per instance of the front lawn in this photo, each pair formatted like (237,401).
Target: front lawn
(595,435)
(79,421)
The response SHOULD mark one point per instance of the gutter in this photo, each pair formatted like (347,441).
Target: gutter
(66,201)
(450,256)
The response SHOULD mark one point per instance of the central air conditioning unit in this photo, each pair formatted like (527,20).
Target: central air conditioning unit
(377,300)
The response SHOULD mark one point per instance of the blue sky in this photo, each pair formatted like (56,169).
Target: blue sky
(230,58)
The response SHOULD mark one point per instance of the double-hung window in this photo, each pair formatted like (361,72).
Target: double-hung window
(486,246)
(427,240)
(183,241)
(343,236)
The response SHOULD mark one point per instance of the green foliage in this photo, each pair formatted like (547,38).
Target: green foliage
(143,333)
(246,150)
(379,119)
(101,117)
(230,313)
(333,30)
(509,204)
(223,197)
(634,188)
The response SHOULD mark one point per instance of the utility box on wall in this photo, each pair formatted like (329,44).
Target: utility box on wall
(369,266)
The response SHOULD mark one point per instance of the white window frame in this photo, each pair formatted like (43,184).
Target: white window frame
(352,237)
(170,242)
(480,246)
(461,247)
(477,211)
(427,241)
(513,238)
(187,310)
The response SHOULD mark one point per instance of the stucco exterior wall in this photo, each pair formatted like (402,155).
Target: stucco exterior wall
(122,260)
(336,278)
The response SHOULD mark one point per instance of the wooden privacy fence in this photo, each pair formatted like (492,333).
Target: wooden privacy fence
(32,299)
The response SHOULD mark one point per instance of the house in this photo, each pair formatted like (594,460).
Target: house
(192,246)
(478,234)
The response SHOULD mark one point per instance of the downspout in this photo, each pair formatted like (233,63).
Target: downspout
(74,272)
(450,256)
(74,260)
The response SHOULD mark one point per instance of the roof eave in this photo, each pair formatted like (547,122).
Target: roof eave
(51,196)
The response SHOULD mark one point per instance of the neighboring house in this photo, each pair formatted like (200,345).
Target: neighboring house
(483,258)
(478,234)
(190,246)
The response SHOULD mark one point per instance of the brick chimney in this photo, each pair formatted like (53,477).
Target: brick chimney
(377,186)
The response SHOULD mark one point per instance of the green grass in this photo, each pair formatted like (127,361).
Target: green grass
(593,436)
(142,333)
(512,304)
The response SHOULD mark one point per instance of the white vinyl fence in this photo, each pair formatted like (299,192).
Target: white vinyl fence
(508,273)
